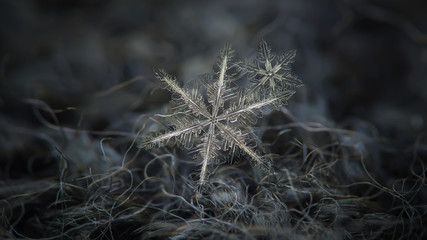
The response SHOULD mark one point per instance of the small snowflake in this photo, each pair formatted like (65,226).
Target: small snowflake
(271,72)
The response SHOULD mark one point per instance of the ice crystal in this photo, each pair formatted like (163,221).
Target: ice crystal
(213,117)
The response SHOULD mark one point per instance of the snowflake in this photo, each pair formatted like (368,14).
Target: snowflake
(220,120)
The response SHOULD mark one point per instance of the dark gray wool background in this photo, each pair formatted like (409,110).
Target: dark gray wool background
(213,119)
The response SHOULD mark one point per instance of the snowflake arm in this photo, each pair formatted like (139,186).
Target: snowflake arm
(183,135)
(237,139)
(249,108)
(207,151)
(190,100)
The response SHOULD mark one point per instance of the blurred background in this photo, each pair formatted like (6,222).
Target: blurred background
(87,64)
(358,59)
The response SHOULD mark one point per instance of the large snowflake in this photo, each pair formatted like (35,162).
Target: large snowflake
(212,116)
